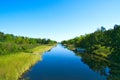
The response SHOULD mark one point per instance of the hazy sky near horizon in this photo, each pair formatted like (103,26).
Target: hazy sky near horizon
(57,19)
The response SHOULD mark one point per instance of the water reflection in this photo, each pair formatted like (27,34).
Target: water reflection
(101,65)
(63,64)
(114,72)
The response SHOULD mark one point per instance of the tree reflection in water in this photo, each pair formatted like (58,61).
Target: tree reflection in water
(101,65)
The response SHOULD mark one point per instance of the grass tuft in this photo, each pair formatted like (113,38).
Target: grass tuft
(12,66)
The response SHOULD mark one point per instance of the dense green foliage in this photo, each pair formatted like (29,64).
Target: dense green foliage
(102,42)
(10,43)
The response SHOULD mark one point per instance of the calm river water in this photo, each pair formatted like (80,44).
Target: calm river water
(62,64)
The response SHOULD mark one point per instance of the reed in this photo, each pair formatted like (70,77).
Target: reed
(12,66)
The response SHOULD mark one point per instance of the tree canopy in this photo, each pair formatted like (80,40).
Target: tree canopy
(101,42)
(10,43)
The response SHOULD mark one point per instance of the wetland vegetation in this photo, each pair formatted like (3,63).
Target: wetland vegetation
(18,54)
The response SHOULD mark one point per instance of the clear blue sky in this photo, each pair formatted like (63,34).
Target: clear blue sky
(57,19)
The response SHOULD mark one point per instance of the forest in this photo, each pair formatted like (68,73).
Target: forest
(102,42)
(12,44)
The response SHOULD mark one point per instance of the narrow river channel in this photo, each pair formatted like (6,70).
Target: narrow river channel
(62,64)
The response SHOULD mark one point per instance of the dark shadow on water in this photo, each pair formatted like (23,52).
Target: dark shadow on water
(102,66)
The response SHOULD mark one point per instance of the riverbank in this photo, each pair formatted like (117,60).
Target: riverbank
(63,64)
(12,66)
(101,51)
(101,63)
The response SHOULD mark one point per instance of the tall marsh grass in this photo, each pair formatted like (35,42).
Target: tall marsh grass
(41,49)
(12,66)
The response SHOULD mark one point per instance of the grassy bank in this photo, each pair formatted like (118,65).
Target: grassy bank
(40,49)
(12,66)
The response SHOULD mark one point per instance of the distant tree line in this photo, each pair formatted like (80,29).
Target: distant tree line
(10,43)
(102,42)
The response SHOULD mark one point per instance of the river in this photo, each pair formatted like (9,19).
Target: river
(62,64)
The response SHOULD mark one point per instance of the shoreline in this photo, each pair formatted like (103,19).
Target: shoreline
(21,62)
(38,53)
